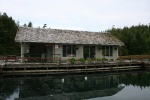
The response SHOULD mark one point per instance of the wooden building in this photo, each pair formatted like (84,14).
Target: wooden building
(49,43)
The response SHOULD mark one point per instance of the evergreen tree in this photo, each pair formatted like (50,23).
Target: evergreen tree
(30,24)
(45,25)
(8,29)
(25,25)
(135,38)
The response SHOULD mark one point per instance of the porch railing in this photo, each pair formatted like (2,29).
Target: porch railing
(52,58)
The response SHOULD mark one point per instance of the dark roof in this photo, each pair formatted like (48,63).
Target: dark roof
(40,35)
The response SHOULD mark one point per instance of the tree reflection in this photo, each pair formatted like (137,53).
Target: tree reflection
(8,87)
(137,79)
(52,85)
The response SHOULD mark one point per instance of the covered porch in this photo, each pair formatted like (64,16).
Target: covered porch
(50,52)
(38,52)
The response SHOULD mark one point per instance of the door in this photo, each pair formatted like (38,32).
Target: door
(86,52)
(50,54)
(92,51)
(89,52)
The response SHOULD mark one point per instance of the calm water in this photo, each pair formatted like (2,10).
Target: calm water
(76,87)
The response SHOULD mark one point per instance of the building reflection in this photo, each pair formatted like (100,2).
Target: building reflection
(74,87)
(78,86)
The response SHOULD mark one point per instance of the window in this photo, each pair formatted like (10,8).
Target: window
(89,52)
(69,50)
(107,51)
(110,50)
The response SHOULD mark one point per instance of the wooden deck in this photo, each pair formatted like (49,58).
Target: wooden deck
(34,68)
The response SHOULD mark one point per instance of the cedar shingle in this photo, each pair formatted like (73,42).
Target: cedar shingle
(41,35)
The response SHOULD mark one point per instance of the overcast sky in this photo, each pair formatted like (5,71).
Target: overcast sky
(89,15)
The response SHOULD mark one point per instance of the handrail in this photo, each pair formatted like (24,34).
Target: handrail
(135,57)
(31,58)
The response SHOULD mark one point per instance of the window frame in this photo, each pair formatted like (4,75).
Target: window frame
(107,51)
(66,52)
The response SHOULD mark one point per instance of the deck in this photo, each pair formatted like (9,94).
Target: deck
(11,64)
(34,68)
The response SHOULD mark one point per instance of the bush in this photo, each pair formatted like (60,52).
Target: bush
(82,60)
(89,60)
(98,59)
(104,59)
(72,60)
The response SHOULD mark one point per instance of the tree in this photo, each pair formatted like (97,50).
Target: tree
(8,29)
(135,38)
(30,24)
(45,25)
(25,25)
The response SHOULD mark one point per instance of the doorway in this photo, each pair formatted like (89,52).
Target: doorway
(35,52)
(50,54)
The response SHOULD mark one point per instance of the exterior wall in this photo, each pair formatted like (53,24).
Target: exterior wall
(58,50)
(24,49)
(115,53)
(79,53)
(22,52)
(98,52)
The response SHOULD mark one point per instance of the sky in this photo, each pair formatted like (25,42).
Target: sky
(86,15)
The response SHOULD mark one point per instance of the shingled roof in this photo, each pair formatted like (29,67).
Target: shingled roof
(40,35)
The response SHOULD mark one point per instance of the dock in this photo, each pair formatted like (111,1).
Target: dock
(12,65)
(34,68)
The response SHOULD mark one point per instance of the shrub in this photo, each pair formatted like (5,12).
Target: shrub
(89,60)
(104,59)
(82,60)
(72,60)
(98,59)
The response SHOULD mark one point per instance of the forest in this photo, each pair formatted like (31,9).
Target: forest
(136,39)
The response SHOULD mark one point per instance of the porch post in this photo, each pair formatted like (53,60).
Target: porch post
(117,52)
(22,52)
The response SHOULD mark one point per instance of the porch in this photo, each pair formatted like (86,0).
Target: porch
(52,52)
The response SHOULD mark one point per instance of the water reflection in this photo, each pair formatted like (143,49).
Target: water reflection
(73,87)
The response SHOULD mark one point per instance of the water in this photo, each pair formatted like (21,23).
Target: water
(126,86)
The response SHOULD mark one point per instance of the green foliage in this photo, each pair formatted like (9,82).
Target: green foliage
(98,59)
(30,24)
(89,60)
(25,25)
(72,60)
(8,29)
(141,79)
(82,60)
(104,59)
(45,25)
(135,38)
